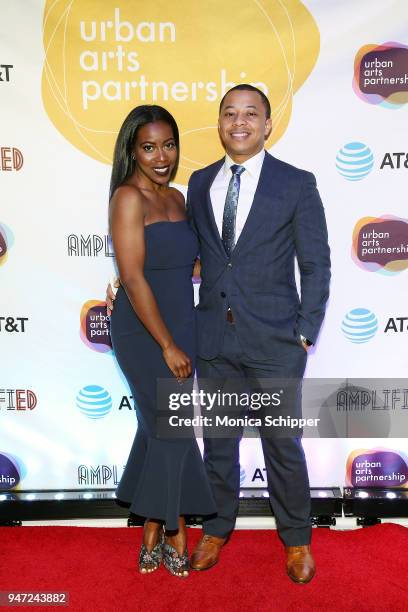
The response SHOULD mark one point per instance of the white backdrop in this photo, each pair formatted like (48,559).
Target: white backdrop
(46,438)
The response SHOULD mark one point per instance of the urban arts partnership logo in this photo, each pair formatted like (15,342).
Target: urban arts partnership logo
(359,325)
(94,330)
(376,467)
(114,61)
(381,74)
(94,401)
(354,161)
(10,472)
(11,159)
(18,399)
(380,244)
(89,245)
(6,242)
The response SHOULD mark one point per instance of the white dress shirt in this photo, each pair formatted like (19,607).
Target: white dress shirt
(249,183)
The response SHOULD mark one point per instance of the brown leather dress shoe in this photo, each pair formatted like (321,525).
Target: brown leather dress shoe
(207,552)
(300,564)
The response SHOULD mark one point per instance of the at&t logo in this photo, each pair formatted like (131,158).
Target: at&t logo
(354,161)
(5,72)
(13,324)
(394,161)
(396,324)
(94,401)
(359,325)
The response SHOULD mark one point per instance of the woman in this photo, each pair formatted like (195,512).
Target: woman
(152,329)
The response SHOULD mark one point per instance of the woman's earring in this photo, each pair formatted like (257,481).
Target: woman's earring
(133,157)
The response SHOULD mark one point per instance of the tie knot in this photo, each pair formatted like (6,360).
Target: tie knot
(235,169)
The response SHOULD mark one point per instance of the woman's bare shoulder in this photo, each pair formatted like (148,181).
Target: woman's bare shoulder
(126,195)
(178,196)
(127,205)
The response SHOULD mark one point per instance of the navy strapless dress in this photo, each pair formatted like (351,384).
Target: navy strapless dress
(163,478)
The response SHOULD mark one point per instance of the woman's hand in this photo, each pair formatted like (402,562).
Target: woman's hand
(197,270)
(178,362)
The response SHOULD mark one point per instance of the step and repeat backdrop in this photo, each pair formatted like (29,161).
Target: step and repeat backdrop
(70,70)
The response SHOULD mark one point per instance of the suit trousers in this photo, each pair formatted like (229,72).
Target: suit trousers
(285,463)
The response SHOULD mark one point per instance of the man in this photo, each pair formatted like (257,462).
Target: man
(253,214)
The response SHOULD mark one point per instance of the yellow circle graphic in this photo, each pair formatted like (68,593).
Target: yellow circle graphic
(104,58)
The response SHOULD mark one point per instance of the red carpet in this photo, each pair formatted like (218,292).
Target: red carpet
(363,570)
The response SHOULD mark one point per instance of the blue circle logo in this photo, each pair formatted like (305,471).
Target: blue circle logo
(354,161)
(94,402)
(359,325)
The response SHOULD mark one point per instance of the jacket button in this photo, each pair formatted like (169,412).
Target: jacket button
(229,265)
(223,294)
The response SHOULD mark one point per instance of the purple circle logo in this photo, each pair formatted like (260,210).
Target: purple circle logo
(10,475)
(376,468)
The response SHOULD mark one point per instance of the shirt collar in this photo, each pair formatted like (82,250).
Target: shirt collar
(253,165)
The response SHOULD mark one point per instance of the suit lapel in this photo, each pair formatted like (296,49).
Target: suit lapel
(269,185)
(209,212)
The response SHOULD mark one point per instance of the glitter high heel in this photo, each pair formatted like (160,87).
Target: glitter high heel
(150,561)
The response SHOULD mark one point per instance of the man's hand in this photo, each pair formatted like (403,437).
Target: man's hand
(305,343)
(111,295)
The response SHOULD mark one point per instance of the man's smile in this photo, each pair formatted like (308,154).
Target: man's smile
(239,133)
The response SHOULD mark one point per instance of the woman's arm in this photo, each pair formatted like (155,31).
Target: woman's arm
(127,229)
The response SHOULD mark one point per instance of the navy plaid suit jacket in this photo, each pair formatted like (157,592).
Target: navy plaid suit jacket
(258,281)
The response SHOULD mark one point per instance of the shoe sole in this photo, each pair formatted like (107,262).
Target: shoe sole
(300,581)
(203,569)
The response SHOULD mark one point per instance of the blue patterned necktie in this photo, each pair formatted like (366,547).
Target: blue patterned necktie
(230,209)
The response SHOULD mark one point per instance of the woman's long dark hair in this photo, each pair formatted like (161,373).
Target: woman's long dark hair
(123,164)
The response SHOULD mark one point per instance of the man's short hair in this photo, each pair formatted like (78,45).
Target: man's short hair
(248,87)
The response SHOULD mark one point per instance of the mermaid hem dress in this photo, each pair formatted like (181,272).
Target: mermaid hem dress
(163,478)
